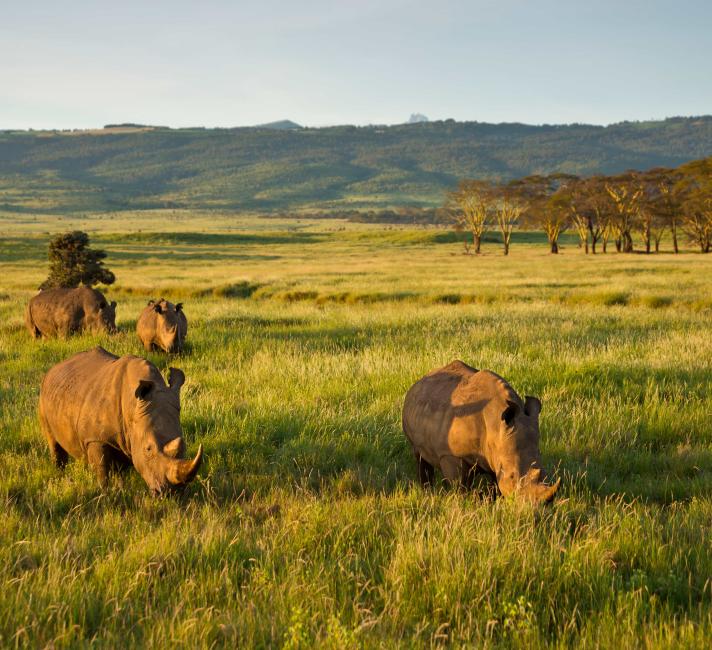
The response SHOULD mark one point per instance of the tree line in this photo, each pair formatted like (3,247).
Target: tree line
(624,210)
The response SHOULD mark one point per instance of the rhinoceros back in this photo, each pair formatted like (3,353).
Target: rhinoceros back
(452,410)
(428,409)
(61,311)
(86,398)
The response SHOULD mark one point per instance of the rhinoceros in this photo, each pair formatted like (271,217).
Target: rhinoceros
(162,325)
(463,421)
(61,312)
(114,412)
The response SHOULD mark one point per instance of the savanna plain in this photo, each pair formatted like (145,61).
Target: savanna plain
(306,526)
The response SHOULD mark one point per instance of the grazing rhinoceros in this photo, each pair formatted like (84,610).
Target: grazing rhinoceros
(61,312)
(162,325)
(464,420)
(116,412)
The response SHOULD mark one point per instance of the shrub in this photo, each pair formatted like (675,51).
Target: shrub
(72,262)
(242,289)
(656,302)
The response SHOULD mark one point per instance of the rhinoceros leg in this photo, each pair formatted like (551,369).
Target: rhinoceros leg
(454,471)
(426,472)
(468,476)
(98,457)
(59,455)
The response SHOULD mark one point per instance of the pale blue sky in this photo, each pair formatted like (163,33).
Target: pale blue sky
(218,63)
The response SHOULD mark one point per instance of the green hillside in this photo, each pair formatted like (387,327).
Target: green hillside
(338,167)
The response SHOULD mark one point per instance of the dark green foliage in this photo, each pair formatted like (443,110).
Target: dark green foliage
(341,167)
(72,262)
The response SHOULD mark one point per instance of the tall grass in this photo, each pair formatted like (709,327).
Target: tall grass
(305,526)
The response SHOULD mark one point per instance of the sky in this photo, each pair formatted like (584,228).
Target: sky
(83,64)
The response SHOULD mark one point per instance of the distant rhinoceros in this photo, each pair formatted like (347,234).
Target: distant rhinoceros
(162,325)
(61,312)
(115,412)
(464,421)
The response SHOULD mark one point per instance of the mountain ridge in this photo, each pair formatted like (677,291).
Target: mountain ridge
(336,167)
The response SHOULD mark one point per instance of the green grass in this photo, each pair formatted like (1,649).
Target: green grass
(306,526)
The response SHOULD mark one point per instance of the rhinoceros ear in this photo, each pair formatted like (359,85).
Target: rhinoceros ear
(157,308)
(532,406)
(174,448)
(176,378)
(145,386)
(510,412)
(179,306)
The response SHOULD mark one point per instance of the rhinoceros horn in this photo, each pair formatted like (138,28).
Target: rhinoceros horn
(538,490)
(181,472)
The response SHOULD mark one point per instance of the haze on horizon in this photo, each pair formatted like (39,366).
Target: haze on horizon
(83,64)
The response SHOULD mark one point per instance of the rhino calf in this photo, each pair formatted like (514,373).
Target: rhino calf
(162,325)
(61,312)
(462,421)
(115,412)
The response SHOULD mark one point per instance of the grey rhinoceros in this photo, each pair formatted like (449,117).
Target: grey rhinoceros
(162,325)
(61,312)
(464,421)
(116,412)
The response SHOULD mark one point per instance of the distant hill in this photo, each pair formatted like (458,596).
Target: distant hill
(127,125)
(286,167)
(281,125)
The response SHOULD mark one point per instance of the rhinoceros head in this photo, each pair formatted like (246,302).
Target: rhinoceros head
(102,318)
(518,462)
(168,325)
(157,446)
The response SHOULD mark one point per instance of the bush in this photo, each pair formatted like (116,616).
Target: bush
(72,262)
(242,289)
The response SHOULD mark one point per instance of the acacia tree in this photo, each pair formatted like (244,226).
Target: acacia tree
(698,226)
(658,232)
(657,208)
(598,202)
(471,205)
(546,204)
(663,199)
(645,223)
(72,262)
(598,211)
(555,221)
(580,222)
(509,208)
(694,189)
(625,192)
(587,204)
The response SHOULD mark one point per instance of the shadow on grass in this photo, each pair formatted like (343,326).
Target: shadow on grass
(283,453)
(635,384)
(188,255)
(211,239)
(671,475)
(229,322)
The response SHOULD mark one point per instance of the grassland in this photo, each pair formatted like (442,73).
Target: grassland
(305,526)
